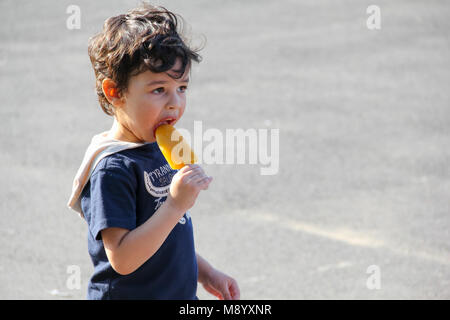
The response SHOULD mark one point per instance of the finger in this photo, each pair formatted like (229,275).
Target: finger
(199,177)
(192,166)
(187,176)
(213,291)
(183,170)
(186,168)
(234,291)
(190,171)
(204,183)
(226,294)
(194,177)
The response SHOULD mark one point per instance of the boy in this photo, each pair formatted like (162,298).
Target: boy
(140,235)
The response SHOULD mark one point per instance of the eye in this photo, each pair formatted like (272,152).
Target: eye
(158,90)
(182,88)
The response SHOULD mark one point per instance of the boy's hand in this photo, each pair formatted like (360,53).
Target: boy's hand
(186,185)
(222,286)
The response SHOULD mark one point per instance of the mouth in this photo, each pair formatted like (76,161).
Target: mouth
(167,120)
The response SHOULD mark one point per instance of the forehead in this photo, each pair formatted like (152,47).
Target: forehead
(147,77)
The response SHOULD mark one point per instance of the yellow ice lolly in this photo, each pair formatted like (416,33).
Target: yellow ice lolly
(175,149)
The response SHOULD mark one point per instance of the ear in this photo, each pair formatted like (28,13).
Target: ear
(111,92)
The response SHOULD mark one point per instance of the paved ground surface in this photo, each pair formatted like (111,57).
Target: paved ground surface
(363,115)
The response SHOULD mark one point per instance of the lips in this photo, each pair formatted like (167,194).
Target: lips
(167,120)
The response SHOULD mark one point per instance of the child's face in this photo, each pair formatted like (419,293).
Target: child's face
(150,99)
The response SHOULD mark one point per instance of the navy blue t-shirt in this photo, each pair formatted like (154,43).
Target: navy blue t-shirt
(124,190)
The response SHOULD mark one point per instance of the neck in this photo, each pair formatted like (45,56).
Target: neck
(119,132)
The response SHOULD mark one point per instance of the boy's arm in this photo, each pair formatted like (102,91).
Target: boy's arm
(128,250)
(204,269)
(215,282)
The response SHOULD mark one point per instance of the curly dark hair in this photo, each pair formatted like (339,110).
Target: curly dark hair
(145,38)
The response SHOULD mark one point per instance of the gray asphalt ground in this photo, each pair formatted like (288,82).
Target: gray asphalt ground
(363,115)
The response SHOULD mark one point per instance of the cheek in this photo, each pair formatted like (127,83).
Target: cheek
(182,108)
(148,116)
(181,112)
(146,111)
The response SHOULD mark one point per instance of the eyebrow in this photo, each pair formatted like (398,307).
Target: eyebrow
(151,83)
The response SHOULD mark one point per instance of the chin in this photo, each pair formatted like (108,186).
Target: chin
(149,139)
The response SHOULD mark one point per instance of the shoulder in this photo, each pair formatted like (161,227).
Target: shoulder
(121,164)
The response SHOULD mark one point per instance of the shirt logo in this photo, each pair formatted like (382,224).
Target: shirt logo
(157,182)
(183,219)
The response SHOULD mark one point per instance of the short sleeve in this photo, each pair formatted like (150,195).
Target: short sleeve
(112,200)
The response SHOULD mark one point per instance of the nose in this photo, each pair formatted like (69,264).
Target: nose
(175,102)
